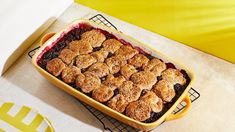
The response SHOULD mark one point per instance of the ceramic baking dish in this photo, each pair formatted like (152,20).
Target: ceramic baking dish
(51,39)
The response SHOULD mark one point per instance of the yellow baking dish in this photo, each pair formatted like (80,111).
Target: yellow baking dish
(49,41)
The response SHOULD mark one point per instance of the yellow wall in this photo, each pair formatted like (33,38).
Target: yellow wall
(208,25)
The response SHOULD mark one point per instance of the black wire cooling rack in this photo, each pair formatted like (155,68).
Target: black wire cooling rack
(109,123)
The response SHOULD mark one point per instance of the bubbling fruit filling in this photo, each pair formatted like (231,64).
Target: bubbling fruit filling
(114,72)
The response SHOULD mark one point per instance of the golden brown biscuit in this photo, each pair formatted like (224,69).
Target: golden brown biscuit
(126,52)
(102,94)
(84,61)
(130,91)
(138,60)
(174,75)
(138,110)
(80,47)
(67,56)
(100,69)
(153,101)
(155,65)
(165,90)
(118,103)
(144,79)
(100,55)
(111,45)
(69,74)
(88,82)
(113,82)
(127,70)
(115,63)
(94,37)
(55,66)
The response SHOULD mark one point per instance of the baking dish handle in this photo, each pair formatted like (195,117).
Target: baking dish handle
(46,37)
(183,112)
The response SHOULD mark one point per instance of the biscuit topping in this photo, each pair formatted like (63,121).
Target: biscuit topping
(155,65)
(144,79)
(118,103)
(67,56)
(165,90)
(99,69)
(174,75)
(69,74)
(84,61)
(126,52)
(80,47)
(115,63)
(55,66)
(94,37)
(153,100)
(113,82)
(102,94)
(127,70)
(87,82)
(130,91)
(138,110)
(111,45)
(138,60)
(99,55)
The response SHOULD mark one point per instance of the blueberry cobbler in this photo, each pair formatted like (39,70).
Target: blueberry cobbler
(113,72)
